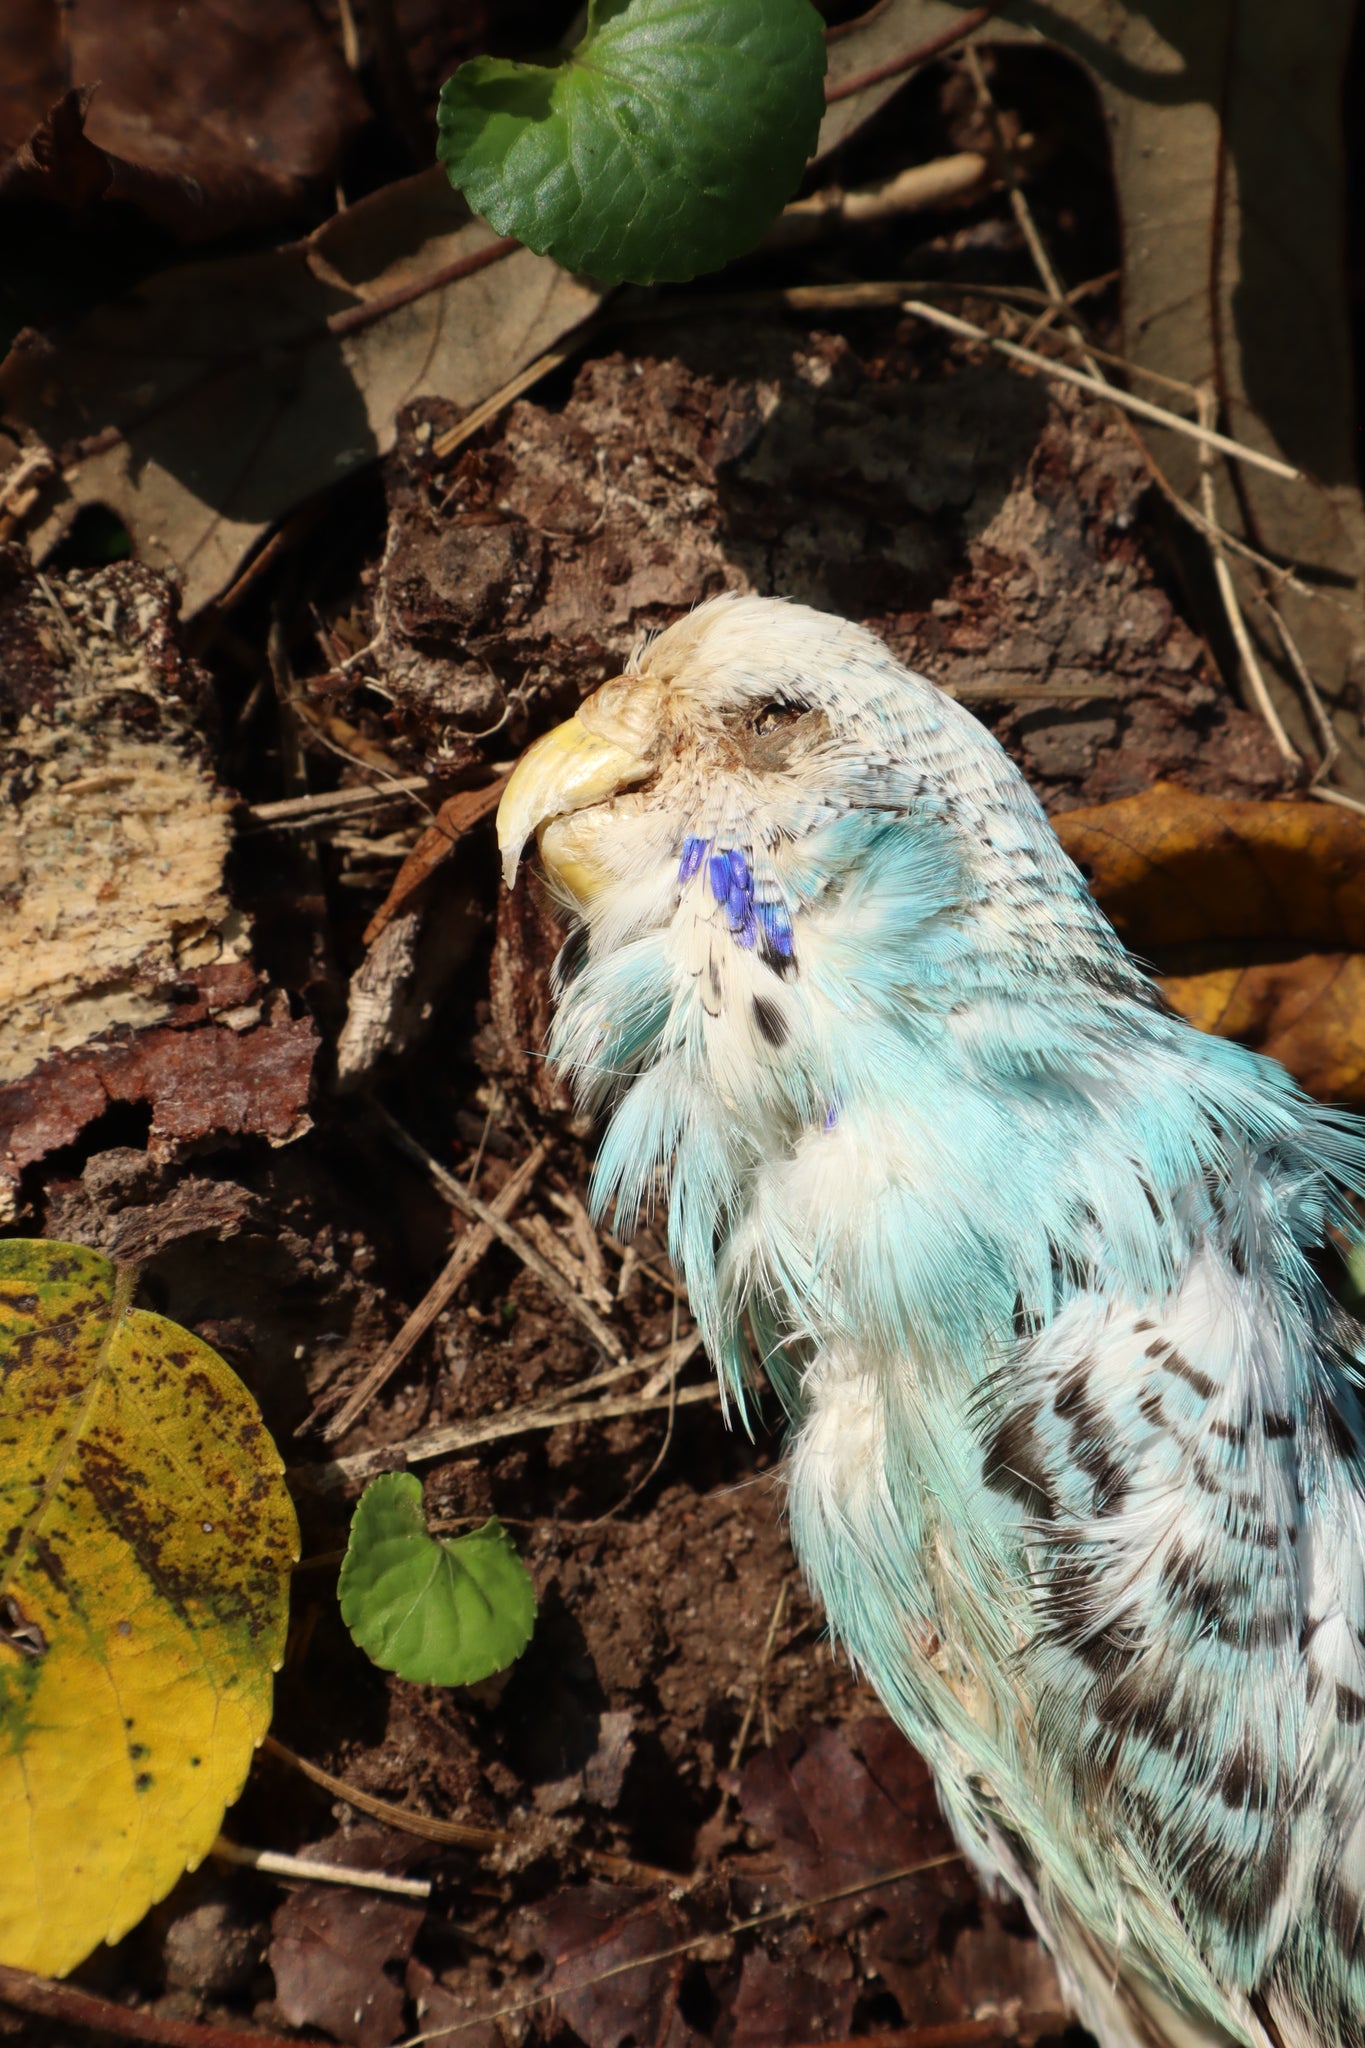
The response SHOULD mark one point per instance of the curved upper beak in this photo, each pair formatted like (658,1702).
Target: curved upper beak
(566,770)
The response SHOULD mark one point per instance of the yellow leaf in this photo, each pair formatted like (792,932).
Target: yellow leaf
(1255,912)
(145,1545)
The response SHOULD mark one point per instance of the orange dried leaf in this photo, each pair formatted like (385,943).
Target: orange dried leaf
(1254,913)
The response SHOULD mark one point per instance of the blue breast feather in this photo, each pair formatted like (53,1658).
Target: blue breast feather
(1104,1560)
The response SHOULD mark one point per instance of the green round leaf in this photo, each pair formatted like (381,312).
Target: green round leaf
(440,1611)
(668,142)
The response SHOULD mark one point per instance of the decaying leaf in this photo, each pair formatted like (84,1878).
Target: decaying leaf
(843,1812)
(1253,912)
(205,119)
(147,1539)
(328,1950)
(591,1936)
(212,399)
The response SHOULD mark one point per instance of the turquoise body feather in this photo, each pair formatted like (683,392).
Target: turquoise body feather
(1076,1452)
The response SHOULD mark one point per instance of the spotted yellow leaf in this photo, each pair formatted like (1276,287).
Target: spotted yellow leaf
(145,1545)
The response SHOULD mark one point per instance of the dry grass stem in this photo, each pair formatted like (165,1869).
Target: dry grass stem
(457,1834)
(770,1918)
(534,1262)
(551,1245)
(967,330)
(1327,738)
(310,1869)
(1237,625)
(760,1676)
(551,1414)
(317,808)
(470,1248)
(473,421)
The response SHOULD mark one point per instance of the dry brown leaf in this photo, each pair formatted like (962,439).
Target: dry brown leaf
(1255,912)
(216,396)
(328,1952)
(207,119)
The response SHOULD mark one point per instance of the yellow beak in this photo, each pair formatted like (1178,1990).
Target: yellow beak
(567,770)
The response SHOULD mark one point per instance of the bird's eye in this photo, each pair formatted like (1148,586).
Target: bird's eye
(772,716)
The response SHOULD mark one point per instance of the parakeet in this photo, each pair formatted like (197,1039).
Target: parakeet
(1076,1433)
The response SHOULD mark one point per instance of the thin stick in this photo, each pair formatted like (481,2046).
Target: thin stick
(1227,591)
(274,1863)
(910,60)
(1019,206)
(453,1833)
(480,1212)
(27,1993)
(461,1436)
(472,1245)
(683,1948)
(1338,797)
(552,359)
(765,1658)
(291,810)
(967,330)
(1327,737)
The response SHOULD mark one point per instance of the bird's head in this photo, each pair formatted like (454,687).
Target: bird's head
(749,766)
(789,857)
(833,969)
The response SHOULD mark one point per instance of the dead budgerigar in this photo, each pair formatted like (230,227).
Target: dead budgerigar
(1076,1430)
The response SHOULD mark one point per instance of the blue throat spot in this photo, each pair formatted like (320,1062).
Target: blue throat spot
(731,883)
(693,854)
(831,1116)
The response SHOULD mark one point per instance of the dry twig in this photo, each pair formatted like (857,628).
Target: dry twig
(770,1918)
(480,1212)
(311,1869)
(967,330)
(77,2008)
(463,1436)
(468,1251)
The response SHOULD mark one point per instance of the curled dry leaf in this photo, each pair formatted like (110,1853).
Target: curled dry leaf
(1254,912)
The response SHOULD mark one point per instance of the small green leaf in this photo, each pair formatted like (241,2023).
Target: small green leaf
(668,142)
(437,1610)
